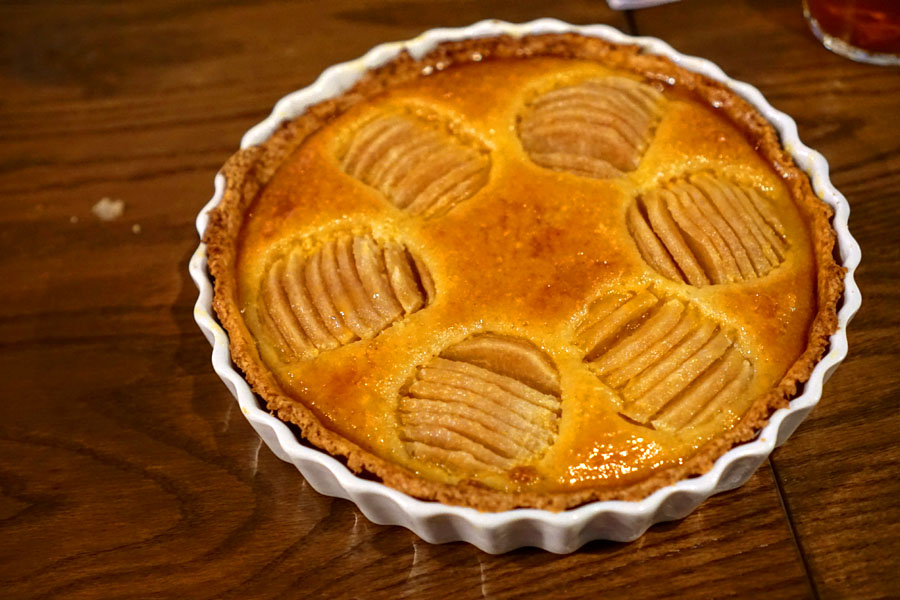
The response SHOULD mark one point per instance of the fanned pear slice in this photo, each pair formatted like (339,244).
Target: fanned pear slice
(488,401)
(352,287)
(598,128)
(419,164)
(671,366)
(705,229)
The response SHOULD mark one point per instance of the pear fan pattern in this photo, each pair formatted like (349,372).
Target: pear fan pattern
(420,166)
(671,366)
(705,230)
(489,403)
(598,128)
(351,288)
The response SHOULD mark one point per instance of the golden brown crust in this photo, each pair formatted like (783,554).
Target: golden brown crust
(248,171)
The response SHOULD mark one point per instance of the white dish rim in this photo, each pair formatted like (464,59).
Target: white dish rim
(558,532)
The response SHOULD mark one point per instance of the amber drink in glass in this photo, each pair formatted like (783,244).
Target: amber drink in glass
(862,30)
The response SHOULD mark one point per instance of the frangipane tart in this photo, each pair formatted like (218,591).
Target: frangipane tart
(530,272)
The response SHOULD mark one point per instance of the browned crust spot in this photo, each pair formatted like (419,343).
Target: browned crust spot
(248,171)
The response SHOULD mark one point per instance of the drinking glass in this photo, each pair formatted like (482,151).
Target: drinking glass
(862,30)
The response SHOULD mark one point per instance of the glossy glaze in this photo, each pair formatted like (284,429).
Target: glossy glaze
(524,256)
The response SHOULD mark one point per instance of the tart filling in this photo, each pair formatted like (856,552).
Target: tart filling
(532,272)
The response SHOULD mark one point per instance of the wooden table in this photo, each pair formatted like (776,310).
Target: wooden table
(125,469)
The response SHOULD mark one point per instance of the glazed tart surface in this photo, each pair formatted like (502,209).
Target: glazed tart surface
(504,278)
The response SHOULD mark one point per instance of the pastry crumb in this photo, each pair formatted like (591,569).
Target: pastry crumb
(136,228)
(108,209)
(73,219)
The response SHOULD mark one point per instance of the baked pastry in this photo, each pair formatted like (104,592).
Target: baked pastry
(526,272)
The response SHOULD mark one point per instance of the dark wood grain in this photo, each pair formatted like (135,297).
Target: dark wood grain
(125,469)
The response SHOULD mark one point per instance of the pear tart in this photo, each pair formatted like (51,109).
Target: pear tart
(526,272)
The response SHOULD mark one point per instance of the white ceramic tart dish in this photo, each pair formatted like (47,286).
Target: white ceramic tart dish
(647,340)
